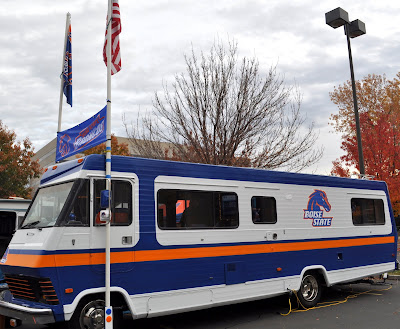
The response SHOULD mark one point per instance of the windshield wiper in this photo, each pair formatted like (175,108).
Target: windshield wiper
(31,224)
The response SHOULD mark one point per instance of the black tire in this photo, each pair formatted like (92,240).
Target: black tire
(310,290)
(90,315)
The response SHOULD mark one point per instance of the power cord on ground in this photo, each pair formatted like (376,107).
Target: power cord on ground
(334,303)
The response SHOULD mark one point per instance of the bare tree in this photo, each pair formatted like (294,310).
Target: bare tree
(223,111)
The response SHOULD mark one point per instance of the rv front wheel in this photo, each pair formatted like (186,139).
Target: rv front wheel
(92,315)
(310,290)
(88,315)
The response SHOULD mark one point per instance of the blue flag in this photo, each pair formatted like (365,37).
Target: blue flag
(84,136)
(67,72)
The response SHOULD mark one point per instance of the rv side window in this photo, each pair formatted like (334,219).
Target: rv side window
(20,220)
(121,208)
(367,212)
(263,210)
(7,223)
(182,209)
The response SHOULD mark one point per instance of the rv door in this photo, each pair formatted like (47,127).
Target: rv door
(122,226)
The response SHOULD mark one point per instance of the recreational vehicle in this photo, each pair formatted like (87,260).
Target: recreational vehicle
(12,213)
(190,236)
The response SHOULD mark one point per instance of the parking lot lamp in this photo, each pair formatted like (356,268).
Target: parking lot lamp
(336,18)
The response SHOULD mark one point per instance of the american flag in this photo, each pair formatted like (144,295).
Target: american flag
(115,31)
(67,72)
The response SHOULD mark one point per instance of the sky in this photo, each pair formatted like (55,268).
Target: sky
(155,36)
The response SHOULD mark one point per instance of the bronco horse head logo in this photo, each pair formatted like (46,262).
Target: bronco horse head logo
(317,204)
(318,201)
(63,148)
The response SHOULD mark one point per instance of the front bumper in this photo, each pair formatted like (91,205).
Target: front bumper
(28,315)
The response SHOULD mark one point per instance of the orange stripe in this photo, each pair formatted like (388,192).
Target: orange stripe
(152,255)
(59,260)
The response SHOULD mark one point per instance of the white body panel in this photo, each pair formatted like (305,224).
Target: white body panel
(291,200)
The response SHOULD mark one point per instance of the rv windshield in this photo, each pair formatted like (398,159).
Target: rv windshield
(47,206)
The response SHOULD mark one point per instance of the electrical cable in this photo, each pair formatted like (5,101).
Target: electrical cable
(334,303)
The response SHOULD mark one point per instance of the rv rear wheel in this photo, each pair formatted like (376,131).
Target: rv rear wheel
(310,290)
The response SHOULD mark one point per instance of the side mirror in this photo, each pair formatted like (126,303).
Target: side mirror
(104,198)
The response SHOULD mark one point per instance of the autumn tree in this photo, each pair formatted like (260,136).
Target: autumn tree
(16,165)
(374,94)
(380,131)
(116,148)
(225,111)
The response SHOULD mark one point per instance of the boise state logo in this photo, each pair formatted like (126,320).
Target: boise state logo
(317,204)
(90,133)
(63,147)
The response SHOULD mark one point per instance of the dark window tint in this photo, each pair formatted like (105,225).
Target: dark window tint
(367,211)
(76,211)
(79,214)
(263,210)
(182,209)
(20,220)
(121,207)
(7,223)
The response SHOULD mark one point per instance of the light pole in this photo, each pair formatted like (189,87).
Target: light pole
(336,18)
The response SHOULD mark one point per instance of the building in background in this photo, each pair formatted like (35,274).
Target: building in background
(47,155)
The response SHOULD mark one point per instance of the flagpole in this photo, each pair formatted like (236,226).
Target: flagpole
(108,157)
(67,23)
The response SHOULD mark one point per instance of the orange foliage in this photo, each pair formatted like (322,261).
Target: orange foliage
(380,131)
(16,165)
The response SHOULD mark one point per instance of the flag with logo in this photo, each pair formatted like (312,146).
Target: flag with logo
(67,70)
(84,136)
(115,22)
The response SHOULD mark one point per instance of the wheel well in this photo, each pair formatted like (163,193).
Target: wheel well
(94,302)
(319,273)
(117,299)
